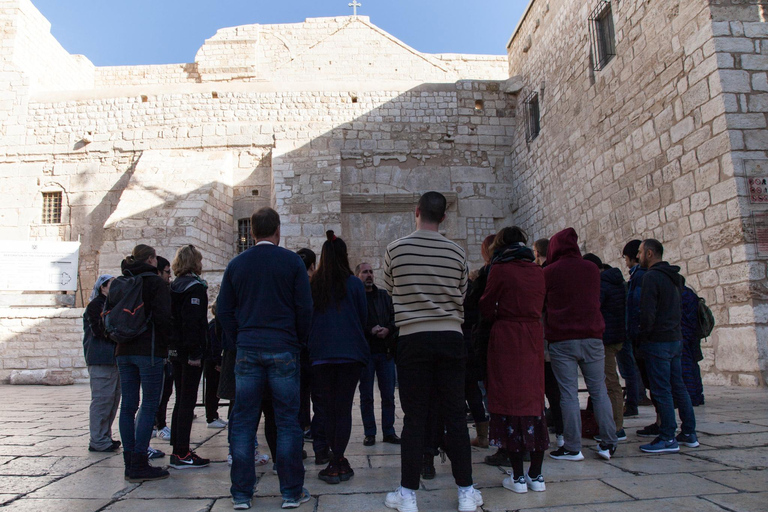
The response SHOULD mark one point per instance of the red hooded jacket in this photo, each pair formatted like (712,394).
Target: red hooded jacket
(572,307)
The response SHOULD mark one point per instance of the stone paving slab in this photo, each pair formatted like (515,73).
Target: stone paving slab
(45,465)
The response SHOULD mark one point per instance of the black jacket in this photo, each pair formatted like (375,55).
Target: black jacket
(157,300)
(380,312)
(660,304)
(613,304)
(481,330)
(98,349)
(189,308)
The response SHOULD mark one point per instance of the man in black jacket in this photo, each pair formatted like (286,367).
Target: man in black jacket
(380,333)
(660,343)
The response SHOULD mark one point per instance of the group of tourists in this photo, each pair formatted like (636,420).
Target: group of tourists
(289,331)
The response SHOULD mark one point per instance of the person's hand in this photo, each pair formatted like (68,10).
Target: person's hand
(217,368)
(376,329)
(383,333)
(195,362)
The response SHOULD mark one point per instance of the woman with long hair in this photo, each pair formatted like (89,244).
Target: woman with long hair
(189,304)
(337,349)
(514,300)
(140,361)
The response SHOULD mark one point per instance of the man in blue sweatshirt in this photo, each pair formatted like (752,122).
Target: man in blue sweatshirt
(265,304)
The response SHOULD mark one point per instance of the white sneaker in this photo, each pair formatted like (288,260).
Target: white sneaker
(260,458)
(164,433)
(537,484)
(469,499)
(560,441)
(513,485)
(402,503)
(217,423)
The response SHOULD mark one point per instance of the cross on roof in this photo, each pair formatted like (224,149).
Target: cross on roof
(354,5)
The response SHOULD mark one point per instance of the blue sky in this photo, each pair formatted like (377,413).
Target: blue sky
(123,32)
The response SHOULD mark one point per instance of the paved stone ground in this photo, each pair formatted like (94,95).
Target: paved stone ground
(45,465)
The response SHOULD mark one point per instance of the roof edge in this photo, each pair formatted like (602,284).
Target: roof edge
(520,23)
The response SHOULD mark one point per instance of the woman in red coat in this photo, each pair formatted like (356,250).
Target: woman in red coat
(514,299)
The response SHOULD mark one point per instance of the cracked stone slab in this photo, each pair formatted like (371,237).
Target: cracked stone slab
(679,463)
(747,440)
(5,498)
(212,482)
(728,427)
(750,458)
(499,499)
(743,502)
(162,505)
(73,505)
(750,480)
(90,483)
(677,504)
(39,466)
(24,484)
(663,486)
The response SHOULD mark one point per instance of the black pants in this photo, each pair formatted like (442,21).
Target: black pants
(552,391)
(186,379)
(337,384)
(475,401)
(431,365)
(304,391)
(211,391)
(162,409)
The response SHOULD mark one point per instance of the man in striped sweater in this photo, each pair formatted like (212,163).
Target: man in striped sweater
(426,274)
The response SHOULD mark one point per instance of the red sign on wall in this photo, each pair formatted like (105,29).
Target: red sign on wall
(758,190)
(761,232)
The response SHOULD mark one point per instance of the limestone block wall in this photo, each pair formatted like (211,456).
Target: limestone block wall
(649,146)
(122,76)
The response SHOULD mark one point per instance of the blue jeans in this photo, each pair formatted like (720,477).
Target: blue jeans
(631,375)
(145,374)
(384,369)
(253,371)
(662,362)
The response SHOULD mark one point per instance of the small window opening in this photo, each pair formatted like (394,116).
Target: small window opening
(354,99)
(144,98)
(601,34)
(215,95)
(479,105)
(51,207)
(532,118)
(254,192)
(244,236)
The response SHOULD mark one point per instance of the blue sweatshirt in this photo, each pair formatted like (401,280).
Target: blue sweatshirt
(265,302)
(337,333)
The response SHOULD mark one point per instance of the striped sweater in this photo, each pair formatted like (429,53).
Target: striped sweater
(426,274)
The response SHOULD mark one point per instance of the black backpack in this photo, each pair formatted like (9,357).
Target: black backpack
(125,316)
(706,319)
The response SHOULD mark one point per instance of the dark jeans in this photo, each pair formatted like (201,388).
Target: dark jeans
(211,391)
(384,369)
(162,409)
(336,384)
(665,375)
(692,372)
(254,370)
(305,420)
(139,374)
(552,391)
(631,375)
(186,379)
(427,363)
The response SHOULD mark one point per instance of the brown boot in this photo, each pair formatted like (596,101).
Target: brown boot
(482,435)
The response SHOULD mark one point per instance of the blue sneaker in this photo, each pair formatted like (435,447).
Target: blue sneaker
(660,446)
(295,502)
(689,440)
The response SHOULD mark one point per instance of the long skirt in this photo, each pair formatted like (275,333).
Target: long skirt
(519,433)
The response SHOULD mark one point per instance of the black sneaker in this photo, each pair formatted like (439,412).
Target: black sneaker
(392,439)
(191,460)
(428,467)
(322,457)
(500,458)
(345,470)
(141,471)
(563,454)
(369,440)
(330,474)
(651,430)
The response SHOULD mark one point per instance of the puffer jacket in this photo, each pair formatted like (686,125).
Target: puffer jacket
(613,304)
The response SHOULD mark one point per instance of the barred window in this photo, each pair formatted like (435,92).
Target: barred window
(244,236)
(601,34)
(51,207)
(532,119)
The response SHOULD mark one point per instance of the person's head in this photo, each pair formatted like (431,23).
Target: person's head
(142,254)
(309,258)
(164,269)
(594,259)
(651,251)
(508,236)
(329,282)
(188,260)
(364,272)
(265,225)
(101,287)
(630,253)
(430,211)
(540,247)
(485,248)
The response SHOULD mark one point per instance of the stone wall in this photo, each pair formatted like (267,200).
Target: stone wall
(651,146)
